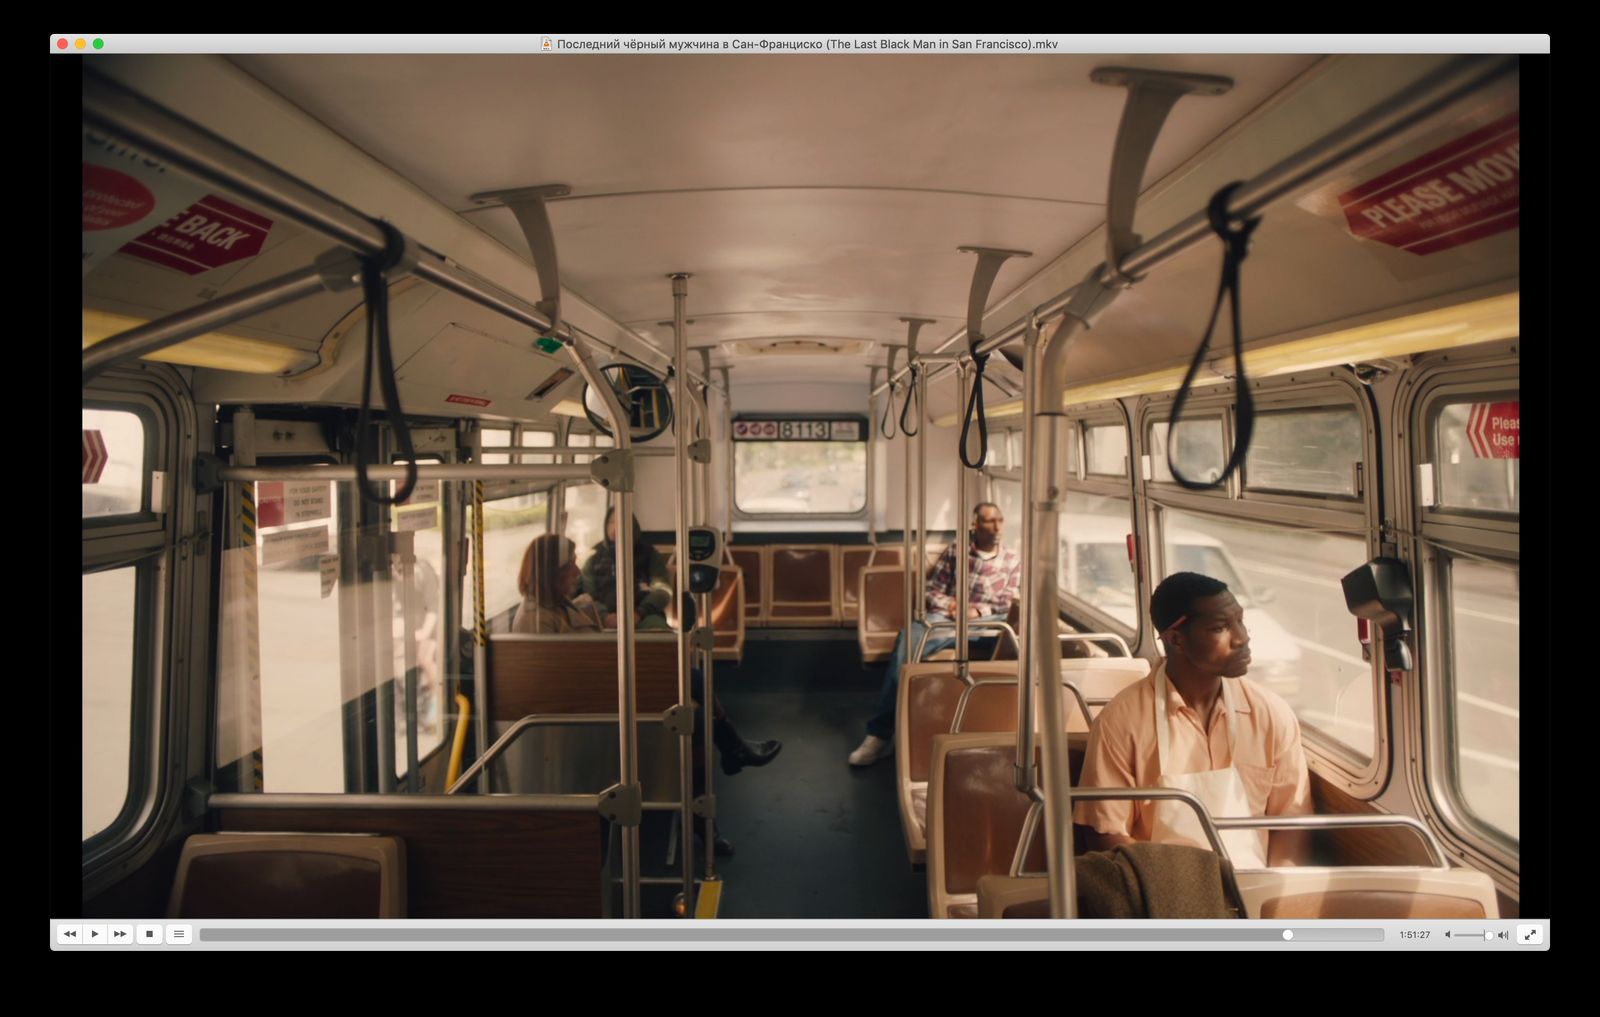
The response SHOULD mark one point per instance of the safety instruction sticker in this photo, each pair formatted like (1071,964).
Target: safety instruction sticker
(423,517)
(208,234)
(1459,192)
(1495,430)
(125,192)
(294,545)
(280,502)
(328,565)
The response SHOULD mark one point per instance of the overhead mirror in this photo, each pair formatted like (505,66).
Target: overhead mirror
(643,396)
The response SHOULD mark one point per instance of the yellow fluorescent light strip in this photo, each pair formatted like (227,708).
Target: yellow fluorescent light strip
(217,350)
(1446,328)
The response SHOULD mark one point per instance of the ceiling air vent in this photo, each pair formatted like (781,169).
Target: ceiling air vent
(799,347)
(550,384)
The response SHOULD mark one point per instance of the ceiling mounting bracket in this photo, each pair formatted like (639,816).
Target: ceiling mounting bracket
(989,261)
(914,325)
(527,204)
(1151,96)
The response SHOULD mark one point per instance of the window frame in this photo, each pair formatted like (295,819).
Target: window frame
(859,515)
(169,544)
(1081,419)
(1363,779)
(1441,380)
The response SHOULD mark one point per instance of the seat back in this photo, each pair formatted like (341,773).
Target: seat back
(752,562)
(577,674)
(1364,892)
(289,875)
(728,614)
(881,610)
(1368,892)
(804,590)
(975,819)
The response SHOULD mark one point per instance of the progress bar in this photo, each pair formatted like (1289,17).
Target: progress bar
(679,934)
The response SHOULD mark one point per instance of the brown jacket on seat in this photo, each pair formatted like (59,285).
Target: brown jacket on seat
(1146,880)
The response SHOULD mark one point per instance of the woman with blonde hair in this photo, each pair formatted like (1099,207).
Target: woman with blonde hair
(549,582)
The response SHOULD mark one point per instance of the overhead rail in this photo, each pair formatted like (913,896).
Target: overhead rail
(1330,154)
(164,135)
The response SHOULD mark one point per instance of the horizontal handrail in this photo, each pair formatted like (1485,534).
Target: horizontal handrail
(405,802)
(529,722)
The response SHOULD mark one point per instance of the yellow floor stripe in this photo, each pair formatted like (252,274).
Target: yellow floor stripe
(709,903)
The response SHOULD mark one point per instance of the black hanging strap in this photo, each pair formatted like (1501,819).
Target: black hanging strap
(886,424)
(911,395)
(375,285)
(975,405)
(1236,245)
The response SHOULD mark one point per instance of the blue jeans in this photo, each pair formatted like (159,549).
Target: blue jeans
(882,723)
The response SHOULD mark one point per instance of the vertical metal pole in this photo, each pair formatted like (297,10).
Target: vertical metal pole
(961,543)
(1049,431)
(408,580)
(480,624)
(627,700)
(680,523)
(1027,772)
(727,489)
(244,454)
(922,482)
(703,607)
(913,565)
(872,477)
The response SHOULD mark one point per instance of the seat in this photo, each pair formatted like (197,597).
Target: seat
(929,696)
(802,585)
(975,819)
(851,561)
(881,611)
(290,875)
(932,698)
(1360,892)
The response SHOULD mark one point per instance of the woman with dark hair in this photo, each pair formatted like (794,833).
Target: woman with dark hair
(653,589)
(549,581)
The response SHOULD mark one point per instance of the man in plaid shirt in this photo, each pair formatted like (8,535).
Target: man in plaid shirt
(994,576)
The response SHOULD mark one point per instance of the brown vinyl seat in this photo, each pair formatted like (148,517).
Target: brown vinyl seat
(851,561)
(752,562)
(975,818)
(934,702)
(1367,892)
(882,609)
(929,696)
(290,875)
(802,585)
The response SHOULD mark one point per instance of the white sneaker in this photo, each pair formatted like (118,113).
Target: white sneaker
(871,750)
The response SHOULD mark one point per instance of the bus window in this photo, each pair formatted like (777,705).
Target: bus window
(532,438)
(108,656)
(117,438)
(1306,451)
(1197,450)
(586,506)
(1108,450)
(1302,638)
(1477,447)
(496,437)
(1485,681)
(509,526)
(800,477)
(1094,556)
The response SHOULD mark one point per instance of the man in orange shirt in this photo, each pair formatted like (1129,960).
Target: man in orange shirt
(1197,724)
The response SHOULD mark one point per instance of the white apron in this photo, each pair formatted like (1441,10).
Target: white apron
(1221,791)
